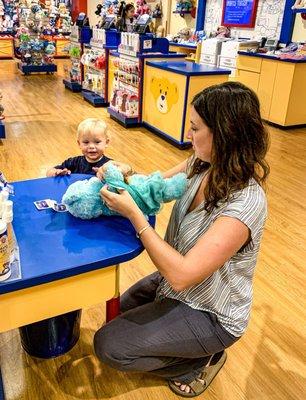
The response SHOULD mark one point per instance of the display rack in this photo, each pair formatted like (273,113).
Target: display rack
(74,72)
(95,61)
(127,68)
(126,90)
(36,54)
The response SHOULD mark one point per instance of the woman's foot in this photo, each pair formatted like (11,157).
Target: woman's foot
(201,383)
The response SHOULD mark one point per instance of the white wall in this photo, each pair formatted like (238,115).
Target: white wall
(299,30)
(91,8)
(268,20)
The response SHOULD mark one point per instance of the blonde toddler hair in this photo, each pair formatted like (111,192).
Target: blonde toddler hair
(93,125)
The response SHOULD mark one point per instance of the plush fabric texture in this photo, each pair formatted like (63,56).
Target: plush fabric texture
(83,200)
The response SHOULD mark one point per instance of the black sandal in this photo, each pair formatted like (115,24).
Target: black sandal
(201,383)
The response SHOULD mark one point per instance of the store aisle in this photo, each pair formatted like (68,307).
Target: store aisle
(41,121)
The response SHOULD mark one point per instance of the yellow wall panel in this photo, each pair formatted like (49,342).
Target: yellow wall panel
(169,122)
(296,113)
(281,93)
(250,79)
(196,85)
(249,63)
(6,48)
(266,86)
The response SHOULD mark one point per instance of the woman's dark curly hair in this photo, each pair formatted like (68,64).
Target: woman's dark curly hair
(240,141)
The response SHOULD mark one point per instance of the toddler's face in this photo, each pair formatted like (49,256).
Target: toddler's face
(92,145)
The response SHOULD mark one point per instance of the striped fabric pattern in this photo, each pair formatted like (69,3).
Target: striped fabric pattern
(227,292)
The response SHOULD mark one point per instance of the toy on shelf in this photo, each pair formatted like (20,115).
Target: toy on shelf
(157,12)
(183,7)
(36,52)
(222,32)
(142,8)
(80,35)
(125,92)
(94,63)
(299,4)
(8,17)
(109,7)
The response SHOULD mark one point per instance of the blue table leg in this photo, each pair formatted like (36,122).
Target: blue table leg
(1,388)
(51,337)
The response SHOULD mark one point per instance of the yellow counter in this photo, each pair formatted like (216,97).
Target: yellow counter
(169,87)
(279,84)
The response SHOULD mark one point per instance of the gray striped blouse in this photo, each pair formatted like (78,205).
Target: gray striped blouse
(227,292)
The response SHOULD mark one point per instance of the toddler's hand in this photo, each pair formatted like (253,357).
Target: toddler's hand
(62,172)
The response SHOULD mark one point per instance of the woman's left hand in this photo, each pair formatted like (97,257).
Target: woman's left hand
(121,202)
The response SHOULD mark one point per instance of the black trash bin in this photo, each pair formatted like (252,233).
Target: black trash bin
(53,336)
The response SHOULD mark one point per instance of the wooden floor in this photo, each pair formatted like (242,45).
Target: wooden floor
(267,363)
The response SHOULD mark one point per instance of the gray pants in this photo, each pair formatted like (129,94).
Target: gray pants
(166,337)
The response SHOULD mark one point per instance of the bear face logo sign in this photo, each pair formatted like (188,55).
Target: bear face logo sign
(165,94)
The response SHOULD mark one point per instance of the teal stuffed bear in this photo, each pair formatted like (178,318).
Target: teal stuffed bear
(83,200)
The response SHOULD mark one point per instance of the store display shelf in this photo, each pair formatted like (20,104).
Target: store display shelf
(2,130)
(187,45)
(28,69)
(73,86)
(181,12)
(94,99)
(122,119)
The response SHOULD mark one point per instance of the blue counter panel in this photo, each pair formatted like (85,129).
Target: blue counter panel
(270,57)
(1,388)
(2,130)
(94,99)
(170,139)
(28,69)
(188,46)
(122,119)
(188,68)
(73,86)
(151,55)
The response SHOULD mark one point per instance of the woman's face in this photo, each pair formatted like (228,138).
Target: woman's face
(130,13)
(200,136)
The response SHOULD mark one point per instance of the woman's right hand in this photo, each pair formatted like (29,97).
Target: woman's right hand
(125,169)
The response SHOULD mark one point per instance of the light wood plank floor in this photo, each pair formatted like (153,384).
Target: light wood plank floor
(267,363)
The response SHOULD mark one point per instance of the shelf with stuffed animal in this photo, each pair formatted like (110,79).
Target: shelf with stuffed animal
(83,200)
(37,55)
(184,7)
(94,83)
(299,6)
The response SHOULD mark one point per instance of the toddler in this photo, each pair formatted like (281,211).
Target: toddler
(93,138)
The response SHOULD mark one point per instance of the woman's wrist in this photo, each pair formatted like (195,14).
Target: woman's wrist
(138,219)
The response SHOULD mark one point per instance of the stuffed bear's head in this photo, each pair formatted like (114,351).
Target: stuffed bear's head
(165,94)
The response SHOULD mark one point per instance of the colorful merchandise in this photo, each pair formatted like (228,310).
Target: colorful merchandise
(1,107)
(125,93)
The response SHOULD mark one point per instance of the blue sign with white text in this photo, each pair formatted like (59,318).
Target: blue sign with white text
(239,13)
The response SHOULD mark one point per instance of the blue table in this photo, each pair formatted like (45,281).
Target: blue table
(67,263)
